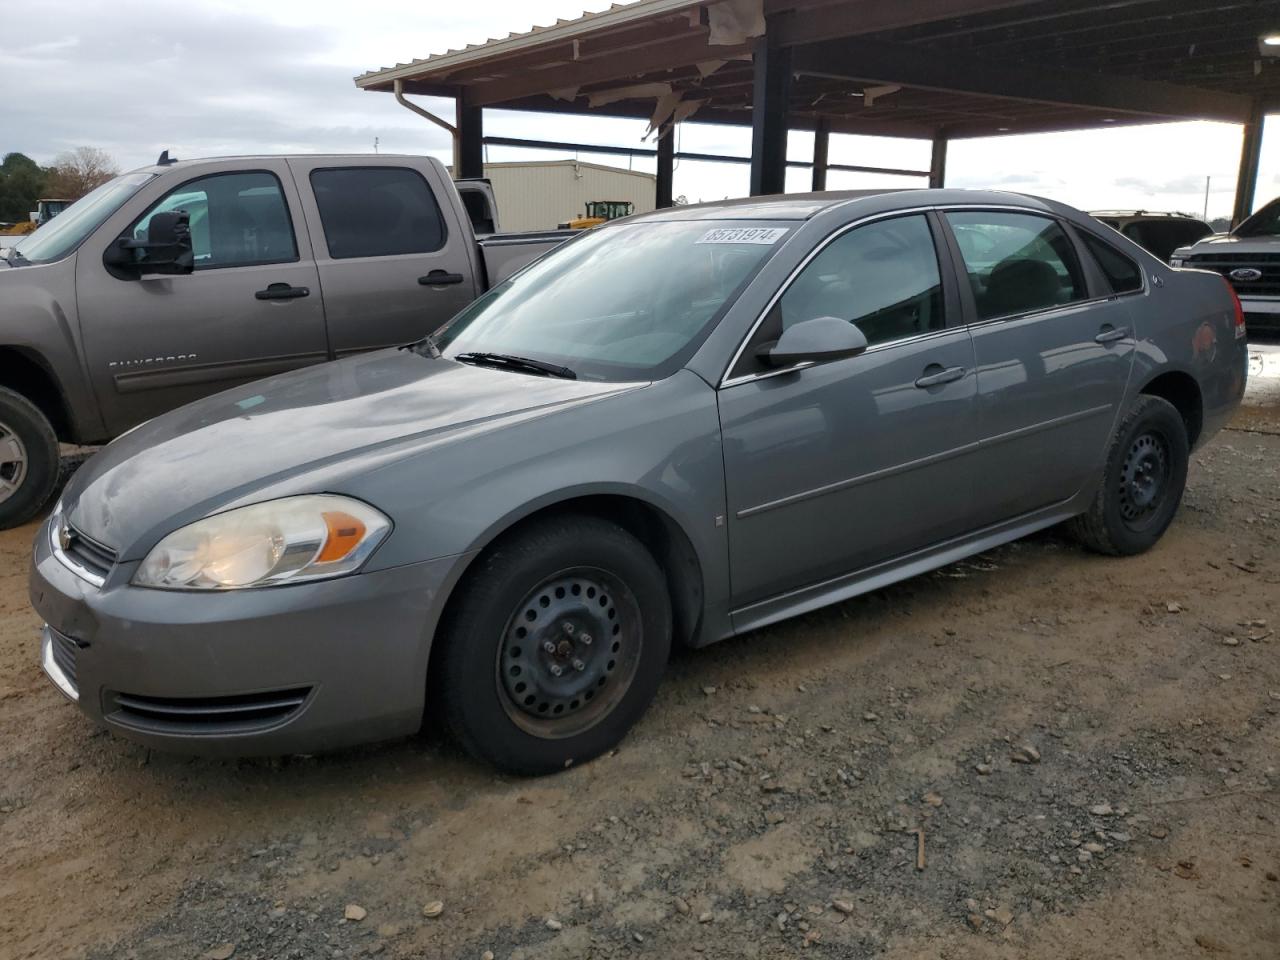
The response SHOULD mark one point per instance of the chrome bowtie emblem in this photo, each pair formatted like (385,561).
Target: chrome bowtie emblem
(64,539)
(1246,274)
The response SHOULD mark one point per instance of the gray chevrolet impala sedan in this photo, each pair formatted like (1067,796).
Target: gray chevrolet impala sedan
(676,428)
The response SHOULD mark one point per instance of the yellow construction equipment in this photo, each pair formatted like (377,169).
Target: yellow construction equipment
(45,211)
(600,211)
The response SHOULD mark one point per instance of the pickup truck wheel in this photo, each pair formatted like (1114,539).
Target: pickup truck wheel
(1142,483)
(28,459)
(555,647)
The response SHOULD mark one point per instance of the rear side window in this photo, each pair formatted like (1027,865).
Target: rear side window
(237,220)
(377,212)
(1122,273)
(1016,262)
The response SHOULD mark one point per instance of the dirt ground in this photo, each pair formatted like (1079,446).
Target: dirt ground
(1090,746)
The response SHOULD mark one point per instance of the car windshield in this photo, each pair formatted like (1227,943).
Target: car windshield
(1264,223)
(627,302)
(61,235)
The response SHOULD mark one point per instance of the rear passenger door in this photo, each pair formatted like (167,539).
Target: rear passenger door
(394,263)
(1053,349)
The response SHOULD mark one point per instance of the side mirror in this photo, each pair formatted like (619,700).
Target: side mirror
(814,341)
(167,249)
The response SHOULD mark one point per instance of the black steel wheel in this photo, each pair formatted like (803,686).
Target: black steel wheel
(569,653)
(554,645)
(1142,481)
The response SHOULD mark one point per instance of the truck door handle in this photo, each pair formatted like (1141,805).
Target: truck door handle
(282,291)
(440,278)
(1111,334)
(949,375)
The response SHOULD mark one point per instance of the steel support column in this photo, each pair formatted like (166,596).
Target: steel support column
(821,147)
(1250,153)
(469,146)
(771,87)
(666,168)
(938,162)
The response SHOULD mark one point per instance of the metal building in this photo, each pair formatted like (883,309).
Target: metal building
(538,195)
(939,70)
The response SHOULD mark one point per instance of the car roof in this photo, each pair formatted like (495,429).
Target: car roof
(805,206)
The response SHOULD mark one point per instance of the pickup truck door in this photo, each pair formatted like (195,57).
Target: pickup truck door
(250,309)
(395,258)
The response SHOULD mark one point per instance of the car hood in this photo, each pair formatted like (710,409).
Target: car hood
(324,423)
(1227,243)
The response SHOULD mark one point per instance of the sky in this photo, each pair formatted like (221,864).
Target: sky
(216,77)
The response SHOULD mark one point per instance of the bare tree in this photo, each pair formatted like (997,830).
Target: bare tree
(76,172)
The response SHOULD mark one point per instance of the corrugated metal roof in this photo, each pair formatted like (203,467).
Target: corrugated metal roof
(618,14)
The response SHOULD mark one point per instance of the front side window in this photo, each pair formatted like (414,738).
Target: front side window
(625,302)
(1016,262)
(237,220)
(377,212)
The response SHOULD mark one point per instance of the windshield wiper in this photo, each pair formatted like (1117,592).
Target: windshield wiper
(425,347)
(14,256)
(508,362)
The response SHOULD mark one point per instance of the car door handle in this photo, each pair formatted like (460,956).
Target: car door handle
(1111,334)
(949,375)
(282,291)
(441,278)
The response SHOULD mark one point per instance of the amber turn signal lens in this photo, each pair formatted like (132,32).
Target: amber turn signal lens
(345,534)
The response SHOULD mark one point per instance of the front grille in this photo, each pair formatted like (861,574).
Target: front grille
(1259,322)
(1268,264)
(90,554)
(64,651)
(194,716)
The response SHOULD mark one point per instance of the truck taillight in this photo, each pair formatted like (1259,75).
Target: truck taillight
(1235,300)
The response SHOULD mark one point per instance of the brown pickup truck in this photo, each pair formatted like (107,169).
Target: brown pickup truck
(184,278)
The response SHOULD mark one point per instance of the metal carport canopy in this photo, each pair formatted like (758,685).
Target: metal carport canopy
(905,68)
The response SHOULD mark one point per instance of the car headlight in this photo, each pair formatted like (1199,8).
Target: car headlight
(268,544)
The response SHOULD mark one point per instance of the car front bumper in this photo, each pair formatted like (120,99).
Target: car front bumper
(294,669)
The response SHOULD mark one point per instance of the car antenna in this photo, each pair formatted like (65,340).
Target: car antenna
(165,159)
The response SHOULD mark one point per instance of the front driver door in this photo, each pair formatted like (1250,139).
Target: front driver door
(836,467)
(250,308)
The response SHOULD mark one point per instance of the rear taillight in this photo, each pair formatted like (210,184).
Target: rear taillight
(1239,308)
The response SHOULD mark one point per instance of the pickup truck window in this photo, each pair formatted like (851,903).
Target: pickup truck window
(62,235)
(237,220)
(1017,262)
(1121,272)
(377,212)
(622,303)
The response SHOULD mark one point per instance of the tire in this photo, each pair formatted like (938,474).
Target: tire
(28,459)
(562,581)
(1142,481)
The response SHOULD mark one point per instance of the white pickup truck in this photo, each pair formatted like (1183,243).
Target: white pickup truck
(184,278)
(1249,257)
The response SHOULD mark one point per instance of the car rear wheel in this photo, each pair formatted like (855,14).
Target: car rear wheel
(28,459)
(555,647)
(1142,483)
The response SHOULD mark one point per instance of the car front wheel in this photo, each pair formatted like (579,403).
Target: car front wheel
(556,645)
(1142,482)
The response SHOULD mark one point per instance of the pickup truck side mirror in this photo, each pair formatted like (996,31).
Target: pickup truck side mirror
(814,341)
(167,249)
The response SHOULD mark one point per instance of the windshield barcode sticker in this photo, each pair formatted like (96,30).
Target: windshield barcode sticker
(765,235)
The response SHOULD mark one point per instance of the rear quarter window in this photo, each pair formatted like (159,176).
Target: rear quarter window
(1124,275)
(377,212)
